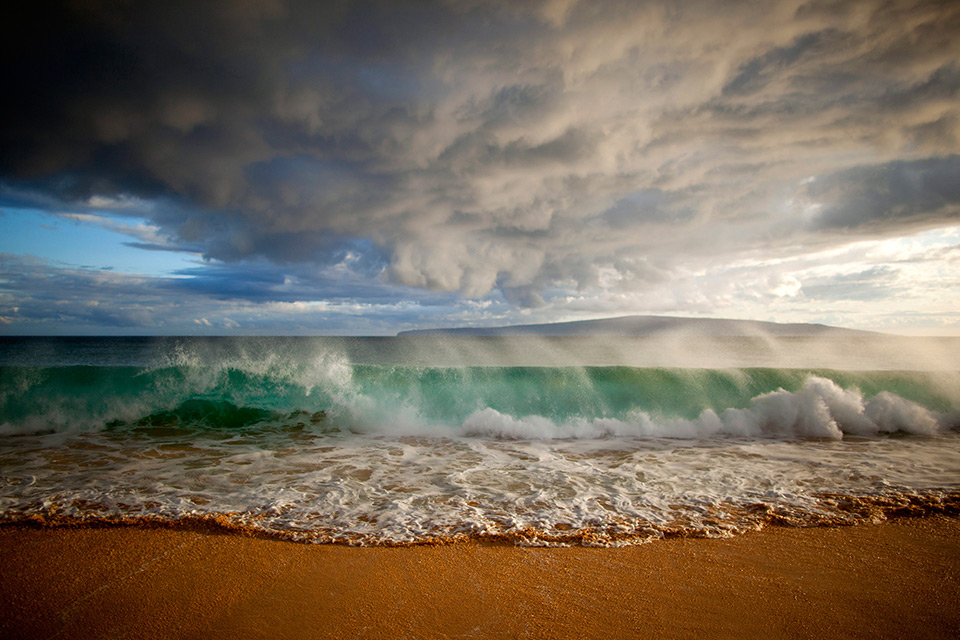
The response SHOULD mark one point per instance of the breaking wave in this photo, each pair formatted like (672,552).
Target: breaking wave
(500,402)
(311,446)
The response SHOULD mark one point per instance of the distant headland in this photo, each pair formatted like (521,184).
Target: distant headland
(638,326)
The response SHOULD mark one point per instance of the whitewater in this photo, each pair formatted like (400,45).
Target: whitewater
(598,441)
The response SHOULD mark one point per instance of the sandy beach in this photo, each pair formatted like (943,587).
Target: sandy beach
(897,579)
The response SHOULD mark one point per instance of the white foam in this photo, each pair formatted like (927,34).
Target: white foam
(380,470)
(406,488)
(821,409)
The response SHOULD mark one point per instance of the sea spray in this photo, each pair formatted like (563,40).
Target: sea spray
(304,439)
(529,402)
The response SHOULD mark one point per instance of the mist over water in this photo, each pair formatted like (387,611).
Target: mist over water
(678,349)
(546,440)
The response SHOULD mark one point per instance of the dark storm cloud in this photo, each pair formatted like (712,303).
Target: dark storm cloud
(758,72)
(532,149)
(890,196)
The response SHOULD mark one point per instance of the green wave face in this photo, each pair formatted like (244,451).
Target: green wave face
(612,392)
(93,397)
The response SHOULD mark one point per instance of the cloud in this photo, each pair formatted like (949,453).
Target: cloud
(147,235)
(892,195)
(525,152)
(40,297)
(758,72)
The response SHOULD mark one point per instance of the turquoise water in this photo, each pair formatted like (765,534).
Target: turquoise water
(545,442)
(231,397)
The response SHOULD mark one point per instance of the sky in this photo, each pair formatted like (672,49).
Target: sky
(291,167)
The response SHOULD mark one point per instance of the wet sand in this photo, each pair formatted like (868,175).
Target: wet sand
(894,580)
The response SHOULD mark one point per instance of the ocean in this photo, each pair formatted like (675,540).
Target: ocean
(430,439)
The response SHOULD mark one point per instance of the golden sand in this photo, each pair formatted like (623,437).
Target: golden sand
(895,580)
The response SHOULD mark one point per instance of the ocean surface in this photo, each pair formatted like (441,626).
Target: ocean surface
(597,441)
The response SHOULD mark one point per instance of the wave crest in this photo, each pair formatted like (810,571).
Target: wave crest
(821,409)
(245,392)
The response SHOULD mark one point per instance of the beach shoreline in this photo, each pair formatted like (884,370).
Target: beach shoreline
(896,579)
